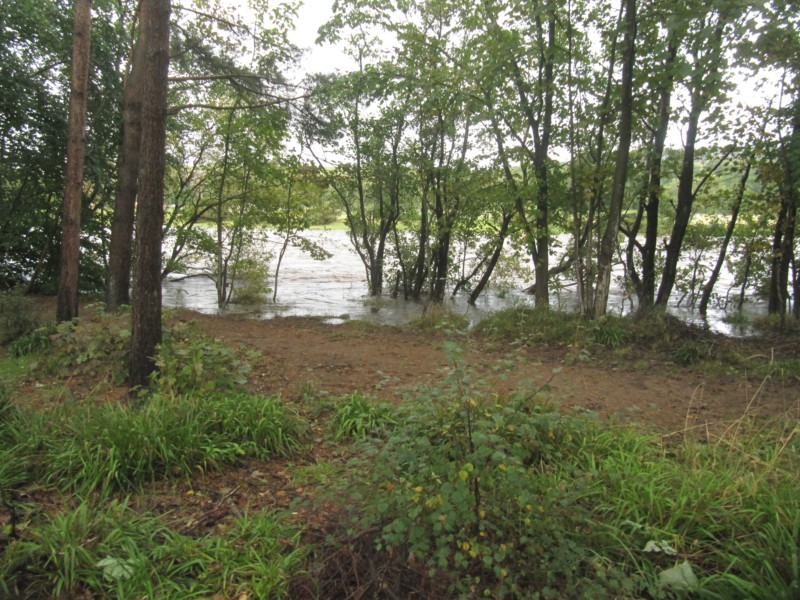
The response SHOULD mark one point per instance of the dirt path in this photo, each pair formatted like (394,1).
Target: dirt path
(300,355)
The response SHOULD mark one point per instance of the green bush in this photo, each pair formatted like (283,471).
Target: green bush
(437,316)
(510,498)
(190,363)
(691,353)
(16,316)
(97,348)
(609,332)
(532,325)
(33,342)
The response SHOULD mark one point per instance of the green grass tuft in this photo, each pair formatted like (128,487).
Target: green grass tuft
(113,552)
(119,447)
(358,416)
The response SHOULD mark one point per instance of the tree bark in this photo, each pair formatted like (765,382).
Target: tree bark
(647,289)
(737,204)
(783,239)
(121,243)
(67,303)
(146,307)
(606,251)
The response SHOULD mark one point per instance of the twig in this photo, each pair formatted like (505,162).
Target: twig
(210,512)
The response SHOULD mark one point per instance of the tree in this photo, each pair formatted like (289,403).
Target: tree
(146,307)
(605,256)
(120,255)
(704,88)
(67,304)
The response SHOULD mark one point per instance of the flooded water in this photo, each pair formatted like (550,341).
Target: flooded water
(335,288)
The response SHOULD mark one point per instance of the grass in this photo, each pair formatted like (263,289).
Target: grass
(116,447)
(478,494)
(359,416)
(114,552)
(501,497)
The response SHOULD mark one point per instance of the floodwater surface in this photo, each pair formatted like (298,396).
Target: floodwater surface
(336,289)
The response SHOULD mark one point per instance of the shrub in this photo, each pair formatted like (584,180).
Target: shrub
(690,353)
(192,363)
(609,332)
(510,498)
(16,316)
(531,325)
(33,342)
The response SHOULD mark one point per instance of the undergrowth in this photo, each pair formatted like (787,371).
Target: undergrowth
(509,497)
(459,492)
(114,552)
(87,448)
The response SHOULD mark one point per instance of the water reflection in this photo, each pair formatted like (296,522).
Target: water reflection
(335,288)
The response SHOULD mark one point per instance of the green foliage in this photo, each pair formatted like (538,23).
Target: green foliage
(33,342)
(359,416)
(531,325)
(251,281)
(96,347)
(113,552)
(474,488)
(190,363)
(511,498)
(13,463)
(609,332)
(16,317)
(437,316)
(691,352)
(119,447)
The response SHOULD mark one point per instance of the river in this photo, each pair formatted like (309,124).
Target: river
(336,290)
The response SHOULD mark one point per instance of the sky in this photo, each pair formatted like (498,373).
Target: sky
(325,58)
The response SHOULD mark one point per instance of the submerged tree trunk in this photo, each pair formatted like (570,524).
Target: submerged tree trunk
(67,304)
(146,307)
(737,204)
(608,241)
(783,238)
(647,287)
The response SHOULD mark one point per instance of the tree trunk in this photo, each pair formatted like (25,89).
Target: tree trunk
(121,244)
(495,257)
(648,278)
(702,81)
(737,204)
(683,210)
(607,243)
(146,308)
(67,304)
(783,240)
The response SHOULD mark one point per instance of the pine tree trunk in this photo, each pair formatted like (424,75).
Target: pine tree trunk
(67,303)
(146,307)
(121,244)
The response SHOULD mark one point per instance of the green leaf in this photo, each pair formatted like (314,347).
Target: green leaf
(679,578)
(117,569)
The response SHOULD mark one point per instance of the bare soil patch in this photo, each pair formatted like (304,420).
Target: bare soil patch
(301,354)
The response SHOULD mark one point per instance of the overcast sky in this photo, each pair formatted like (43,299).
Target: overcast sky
(312,14)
